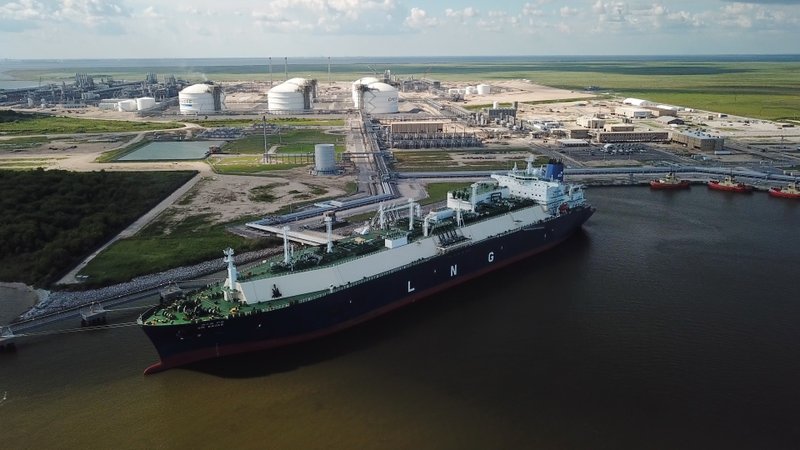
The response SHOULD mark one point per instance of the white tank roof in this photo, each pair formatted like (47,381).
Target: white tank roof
(199,88)
(366,80)
(296,81)
(382,87)
(285,87)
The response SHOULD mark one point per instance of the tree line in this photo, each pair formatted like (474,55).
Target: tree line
(51,219)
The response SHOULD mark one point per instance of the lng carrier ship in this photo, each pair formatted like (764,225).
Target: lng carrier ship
(397,259)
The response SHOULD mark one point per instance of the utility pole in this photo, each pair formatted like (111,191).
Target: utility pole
(266,155)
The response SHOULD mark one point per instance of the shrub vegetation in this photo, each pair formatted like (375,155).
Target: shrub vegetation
(51,220)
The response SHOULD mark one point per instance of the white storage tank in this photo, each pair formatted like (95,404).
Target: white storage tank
(324,158)
(144,103)
(127,105)
(483,89)
(471,90)
(358,86)
(295,94)
(380,98)
(200,99)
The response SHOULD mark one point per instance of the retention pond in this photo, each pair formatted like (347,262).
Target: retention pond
(169,151)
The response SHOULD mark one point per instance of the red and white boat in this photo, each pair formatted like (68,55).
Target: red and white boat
(789,191)
(670,181)
(729,185)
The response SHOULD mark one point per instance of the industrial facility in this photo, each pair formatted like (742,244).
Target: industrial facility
(698,141)
(85,91)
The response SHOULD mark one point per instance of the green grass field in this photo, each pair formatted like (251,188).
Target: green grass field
(245,165)
(297,140)
(20,124)
(22,143)
(166,244)
(438,191)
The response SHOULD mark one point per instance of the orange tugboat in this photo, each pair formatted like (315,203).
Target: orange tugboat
(729,185)
(671,181)
(790,191)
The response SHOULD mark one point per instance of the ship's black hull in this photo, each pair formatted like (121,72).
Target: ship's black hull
(361,301)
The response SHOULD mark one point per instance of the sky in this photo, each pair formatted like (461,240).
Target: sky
(33,29)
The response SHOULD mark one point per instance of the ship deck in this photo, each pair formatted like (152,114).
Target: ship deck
(210,304)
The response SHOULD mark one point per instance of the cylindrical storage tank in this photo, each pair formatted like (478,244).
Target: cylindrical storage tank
(472,90)
(285,97)
(357,88)
(197,99)
(495,105)
(144,103)
(484,89)
(380,98)
(127,105)
(452,91)
(324,158)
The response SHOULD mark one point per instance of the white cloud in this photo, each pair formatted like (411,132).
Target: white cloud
(151,13)
(91,13)
(566,11)
(22,10)
(461,15)
(418,19)
(532,9)
(324,16)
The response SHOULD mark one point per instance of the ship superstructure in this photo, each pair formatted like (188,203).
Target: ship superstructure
(399,257)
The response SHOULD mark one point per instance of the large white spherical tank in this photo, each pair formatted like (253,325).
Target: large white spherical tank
(196,99)
(380,98)
(144,103)
(285,97)
(356,88)
(483,89)
(325,158)
(127,105)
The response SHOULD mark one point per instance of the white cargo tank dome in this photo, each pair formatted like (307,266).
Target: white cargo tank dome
(379,98)
(201,99)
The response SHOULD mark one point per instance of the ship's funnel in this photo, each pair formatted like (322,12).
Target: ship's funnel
(554,170)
